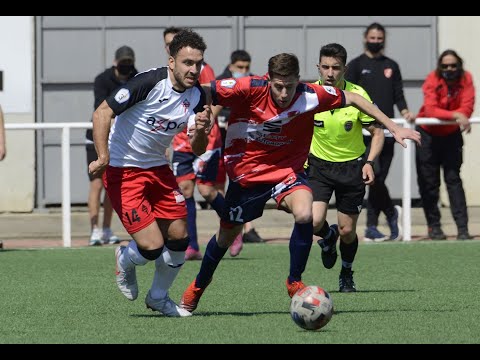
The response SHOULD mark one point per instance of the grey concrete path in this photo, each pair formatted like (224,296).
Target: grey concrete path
(44,228)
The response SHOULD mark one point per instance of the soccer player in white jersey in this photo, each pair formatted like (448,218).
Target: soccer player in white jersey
(150,110)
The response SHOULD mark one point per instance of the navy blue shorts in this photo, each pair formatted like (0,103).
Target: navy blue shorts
(246,204)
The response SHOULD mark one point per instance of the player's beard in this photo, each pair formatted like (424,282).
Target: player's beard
(189,82)
(181,83)
(184,81)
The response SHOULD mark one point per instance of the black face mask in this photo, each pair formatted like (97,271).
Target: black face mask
(125,69)
(375,48)
(451,75)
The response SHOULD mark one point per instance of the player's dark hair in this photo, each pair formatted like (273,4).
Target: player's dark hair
(187,38)
(335,51)
(283,65)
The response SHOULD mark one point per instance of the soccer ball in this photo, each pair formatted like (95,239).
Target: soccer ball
(311,308)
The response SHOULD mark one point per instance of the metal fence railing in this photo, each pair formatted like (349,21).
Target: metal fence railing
(65,153)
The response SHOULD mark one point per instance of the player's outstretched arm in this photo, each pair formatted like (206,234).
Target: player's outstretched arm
(399,133)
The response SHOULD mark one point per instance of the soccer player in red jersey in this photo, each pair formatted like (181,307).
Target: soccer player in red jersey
(268,140)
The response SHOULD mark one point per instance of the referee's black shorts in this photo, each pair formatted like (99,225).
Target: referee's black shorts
(343,178)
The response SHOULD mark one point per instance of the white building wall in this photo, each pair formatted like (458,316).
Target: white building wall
(17,171)
(459,33)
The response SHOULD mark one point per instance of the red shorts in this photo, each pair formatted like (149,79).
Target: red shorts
(140,196)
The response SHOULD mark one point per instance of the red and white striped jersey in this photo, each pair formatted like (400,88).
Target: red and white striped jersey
(266,143)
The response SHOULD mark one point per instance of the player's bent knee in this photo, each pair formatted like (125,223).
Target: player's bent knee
(151,255)
(177,245)
(208,194)
(303,217)
(347,231)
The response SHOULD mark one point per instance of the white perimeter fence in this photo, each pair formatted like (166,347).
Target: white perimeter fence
(408,155)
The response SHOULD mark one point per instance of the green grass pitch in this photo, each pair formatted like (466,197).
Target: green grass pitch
(408,293)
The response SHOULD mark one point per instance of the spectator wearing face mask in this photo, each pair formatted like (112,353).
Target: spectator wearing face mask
(449,95)
(119,73)
(381,78)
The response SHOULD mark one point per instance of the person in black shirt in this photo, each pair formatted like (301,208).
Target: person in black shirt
(122,70)
(380,76)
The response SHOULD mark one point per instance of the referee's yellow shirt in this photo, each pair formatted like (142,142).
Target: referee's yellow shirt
(337,135)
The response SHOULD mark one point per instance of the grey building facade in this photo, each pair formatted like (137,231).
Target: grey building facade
(72,50)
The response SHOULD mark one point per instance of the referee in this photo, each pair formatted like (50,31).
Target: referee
(338,163)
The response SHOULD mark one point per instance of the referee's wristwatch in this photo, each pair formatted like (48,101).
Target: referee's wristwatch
(371,163)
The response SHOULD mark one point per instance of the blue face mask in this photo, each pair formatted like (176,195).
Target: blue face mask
(238,75)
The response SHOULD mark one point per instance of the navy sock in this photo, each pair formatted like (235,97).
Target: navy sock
(300,245)
(218,204)
(348,251)
(211,258)
(192,222)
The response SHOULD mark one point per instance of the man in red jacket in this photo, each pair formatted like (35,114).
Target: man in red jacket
(449,95)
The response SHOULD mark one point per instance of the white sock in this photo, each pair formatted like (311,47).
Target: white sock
(167,267)
(131,257)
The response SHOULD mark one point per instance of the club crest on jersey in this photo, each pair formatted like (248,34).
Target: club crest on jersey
(122,96)
(348,126)
(186,104)
(228,83)
(330,89)
(388,73)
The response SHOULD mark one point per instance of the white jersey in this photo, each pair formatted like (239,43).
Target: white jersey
(149,114)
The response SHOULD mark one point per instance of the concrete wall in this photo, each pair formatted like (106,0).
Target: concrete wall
(17,171)
(458,33)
